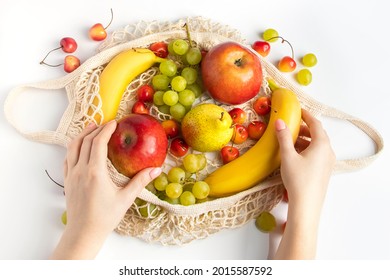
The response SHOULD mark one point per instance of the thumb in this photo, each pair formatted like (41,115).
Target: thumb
(284,138)
(139,181)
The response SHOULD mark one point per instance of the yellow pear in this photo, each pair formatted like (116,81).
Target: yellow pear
(207,127)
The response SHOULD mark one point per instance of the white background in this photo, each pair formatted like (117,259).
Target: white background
(351,43)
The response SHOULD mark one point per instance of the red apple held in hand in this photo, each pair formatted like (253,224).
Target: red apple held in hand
(178,147)
(256,129)
(262,47)
(240,134)
(140,108)
(229,153)
(138,142)
(231,73)
(238,115)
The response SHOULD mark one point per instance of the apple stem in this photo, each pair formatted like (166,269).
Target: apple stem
(284,40)
(43,60)
(186,25)
(58,184)
(112,17)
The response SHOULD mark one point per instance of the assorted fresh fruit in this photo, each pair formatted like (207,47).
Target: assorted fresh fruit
(231,76)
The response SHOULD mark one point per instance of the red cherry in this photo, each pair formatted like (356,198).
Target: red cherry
(178,147)
(160,49)
(229,153)
(145,93)
(238,115)
(171,127)
(240,134)
(262,47)
(262,105)
(68,44)
(287,64)
(71,63)
(256,129)
(140,108)
(98,32)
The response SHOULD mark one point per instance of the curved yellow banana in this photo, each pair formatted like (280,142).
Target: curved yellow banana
(116,76)
(264,157)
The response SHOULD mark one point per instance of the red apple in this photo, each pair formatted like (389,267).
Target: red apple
(140,108)
(240,134)
(256,129)
(138,142)
(229,153)
(262,47)
(231,73)
(178,147)
(238,115)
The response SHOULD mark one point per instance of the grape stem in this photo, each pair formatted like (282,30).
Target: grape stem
(284,40)
(186,25)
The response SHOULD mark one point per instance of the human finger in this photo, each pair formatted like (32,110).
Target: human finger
(138,182)
(284,137)
(315,126)
(73,148)
(99,145)
(86,146)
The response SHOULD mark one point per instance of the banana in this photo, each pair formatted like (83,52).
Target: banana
(116,76)
(264,157)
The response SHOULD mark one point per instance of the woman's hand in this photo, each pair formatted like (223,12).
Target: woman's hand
(95,205)
(305,176)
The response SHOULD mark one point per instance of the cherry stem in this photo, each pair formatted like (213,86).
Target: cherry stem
(186,25)
(43,60)
(58,184)
(112,17)
(284,40)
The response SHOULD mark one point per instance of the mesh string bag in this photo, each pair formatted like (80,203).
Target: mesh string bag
(150,218)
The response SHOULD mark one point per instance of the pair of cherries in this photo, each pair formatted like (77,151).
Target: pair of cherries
(69,45)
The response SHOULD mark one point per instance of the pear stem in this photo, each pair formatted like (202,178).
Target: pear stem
(222,113)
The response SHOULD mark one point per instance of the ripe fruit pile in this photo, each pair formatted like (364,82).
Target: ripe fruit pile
(286,63)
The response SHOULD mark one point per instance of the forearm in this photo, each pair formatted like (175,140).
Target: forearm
(299,239)
(78,245)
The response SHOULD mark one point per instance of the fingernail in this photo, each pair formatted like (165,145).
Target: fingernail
(280,125)
(155,172)
(90,125)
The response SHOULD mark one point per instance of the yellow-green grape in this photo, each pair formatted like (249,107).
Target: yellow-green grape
(168,67)
(304,77)
(193,56)
(270,33)
(158,98)
(176,175)
(187,198)
(174,190)
(171,200)
(178,83)
(170,97)
(179,46)
(309,60)
(200,190)
(266,222)
(202,161)
(177,111)
(196,89)
(161,182)
(191,163)
(64,218)
(147,210)
(190,74)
